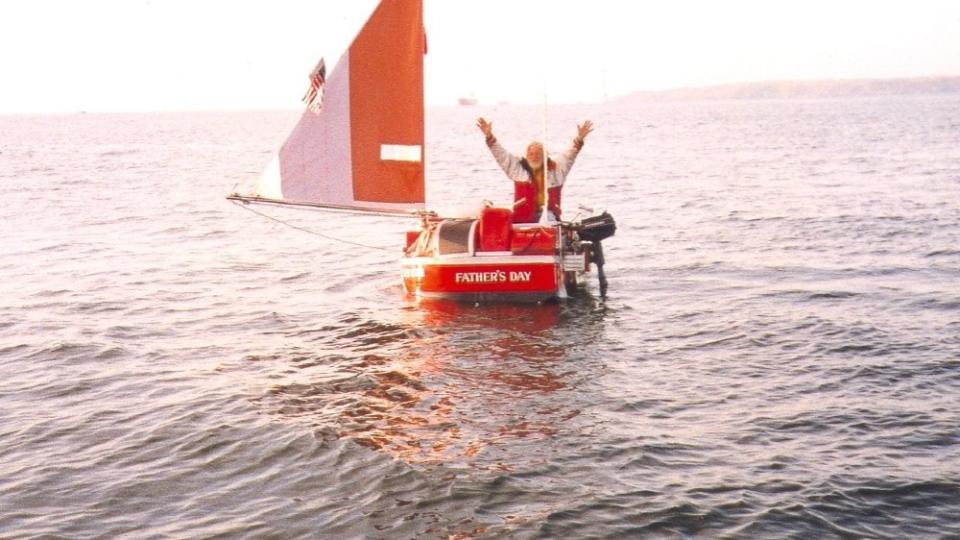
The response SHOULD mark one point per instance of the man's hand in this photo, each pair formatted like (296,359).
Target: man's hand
(584,129)
(485,127)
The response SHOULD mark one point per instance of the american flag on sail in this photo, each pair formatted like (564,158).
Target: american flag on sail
(314,96)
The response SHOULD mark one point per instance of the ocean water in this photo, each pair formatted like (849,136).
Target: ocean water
(778,355)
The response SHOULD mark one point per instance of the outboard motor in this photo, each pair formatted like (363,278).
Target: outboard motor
(594,229)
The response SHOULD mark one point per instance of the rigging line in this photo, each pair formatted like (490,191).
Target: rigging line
(308,231)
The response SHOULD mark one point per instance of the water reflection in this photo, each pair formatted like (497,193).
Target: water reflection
(454,392)
(470,384)
(441,314)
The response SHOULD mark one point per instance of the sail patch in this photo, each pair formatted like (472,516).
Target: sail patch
(401,152)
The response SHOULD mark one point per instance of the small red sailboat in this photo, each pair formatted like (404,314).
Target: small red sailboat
(490,258)
(359,146)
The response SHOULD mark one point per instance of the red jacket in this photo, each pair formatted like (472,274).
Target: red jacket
(525,196)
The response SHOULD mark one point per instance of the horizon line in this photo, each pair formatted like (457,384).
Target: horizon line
(606,99)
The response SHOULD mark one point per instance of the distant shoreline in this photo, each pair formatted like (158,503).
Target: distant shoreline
(801,90)
(745,91)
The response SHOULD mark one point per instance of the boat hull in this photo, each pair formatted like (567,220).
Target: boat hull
(514,278)
(491,258)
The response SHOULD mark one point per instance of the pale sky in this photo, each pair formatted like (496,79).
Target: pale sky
(146,55)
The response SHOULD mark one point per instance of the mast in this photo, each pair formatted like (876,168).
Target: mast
(546,157)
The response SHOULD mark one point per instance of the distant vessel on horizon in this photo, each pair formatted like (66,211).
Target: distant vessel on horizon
(467,101)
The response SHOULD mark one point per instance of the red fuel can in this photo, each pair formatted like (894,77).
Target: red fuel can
(494,229)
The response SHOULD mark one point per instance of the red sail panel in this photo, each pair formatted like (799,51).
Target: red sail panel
(364,148)
(386,112)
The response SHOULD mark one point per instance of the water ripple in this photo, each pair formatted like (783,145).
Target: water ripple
(777,357)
